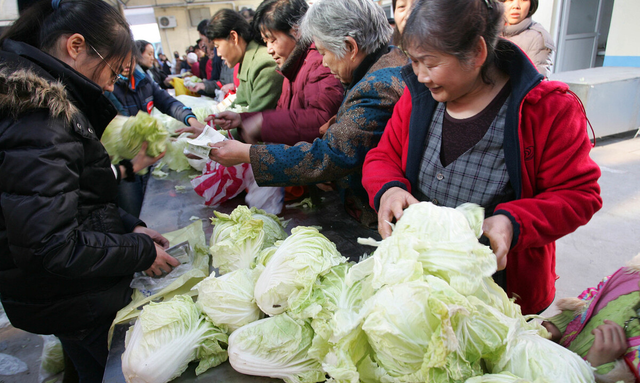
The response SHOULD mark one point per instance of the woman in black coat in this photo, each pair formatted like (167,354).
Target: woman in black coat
(67,253)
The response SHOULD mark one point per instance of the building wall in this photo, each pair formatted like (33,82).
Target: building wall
(623,48)
(9,12)
(184,35)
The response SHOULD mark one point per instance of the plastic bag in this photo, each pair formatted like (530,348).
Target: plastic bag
(10,365)
(180,88)
(269,199)
(150,285)
(52,358)
(218,183)
(194,234)
(4,320)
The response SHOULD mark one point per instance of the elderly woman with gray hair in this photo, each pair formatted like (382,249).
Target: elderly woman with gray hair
(353,38)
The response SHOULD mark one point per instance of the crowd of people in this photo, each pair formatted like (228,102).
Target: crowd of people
(452,105)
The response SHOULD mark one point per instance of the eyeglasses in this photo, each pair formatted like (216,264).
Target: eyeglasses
(116,75)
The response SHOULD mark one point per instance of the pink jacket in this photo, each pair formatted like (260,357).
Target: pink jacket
(311,95)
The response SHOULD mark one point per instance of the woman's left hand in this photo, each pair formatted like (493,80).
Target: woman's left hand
(251,129)
(499,230)
(230,153)
(155,236)
(609,344)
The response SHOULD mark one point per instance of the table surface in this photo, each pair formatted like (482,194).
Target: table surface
(167,208)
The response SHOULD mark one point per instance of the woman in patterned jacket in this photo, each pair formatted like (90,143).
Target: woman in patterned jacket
(353,37)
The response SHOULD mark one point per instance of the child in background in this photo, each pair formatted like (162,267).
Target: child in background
(603,325)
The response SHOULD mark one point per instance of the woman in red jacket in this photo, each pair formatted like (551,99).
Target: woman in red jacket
(310,96)
(476,123)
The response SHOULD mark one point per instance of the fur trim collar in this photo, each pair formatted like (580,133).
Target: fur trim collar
(290,67)
(24,90)
(620,373)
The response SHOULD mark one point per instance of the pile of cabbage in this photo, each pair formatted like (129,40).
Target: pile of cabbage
(422,308)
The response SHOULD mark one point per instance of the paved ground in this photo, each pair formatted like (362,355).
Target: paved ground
(612,237)
(584,257)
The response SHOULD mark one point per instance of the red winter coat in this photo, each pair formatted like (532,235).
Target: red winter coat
(310,96)
(546,148)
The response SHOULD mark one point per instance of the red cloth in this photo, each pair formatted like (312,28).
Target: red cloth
(208,69)
(236,80)
(310,96)
(559,183)
(195,69)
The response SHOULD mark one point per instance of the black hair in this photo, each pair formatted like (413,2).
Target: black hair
(226,20)
(202,27)
(141,46)
(101,25)
(454,27)
(533,6)
(278,15)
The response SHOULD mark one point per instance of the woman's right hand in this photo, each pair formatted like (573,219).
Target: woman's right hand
(392,205)
(228,88)
(163,262)
(226,120)
(195,88)
(142,160)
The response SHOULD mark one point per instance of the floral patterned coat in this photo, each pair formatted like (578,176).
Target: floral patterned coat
(339,154)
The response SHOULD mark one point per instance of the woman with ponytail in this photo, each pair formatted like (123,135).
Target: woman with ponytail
(476,123)
(67,253)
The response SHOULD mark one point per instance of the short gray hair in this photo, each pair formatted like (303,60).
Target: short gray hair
(330,22)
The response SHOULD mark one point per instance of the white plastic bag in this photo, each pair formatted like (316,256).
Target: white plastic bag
(218,183)
(269,199)
(52,358)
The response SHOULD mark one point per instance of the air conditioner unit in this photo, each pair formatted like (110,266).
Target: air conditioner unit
(167,22)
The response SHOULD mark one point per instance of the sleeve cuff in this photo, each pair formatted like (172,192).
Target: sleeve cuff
(186,119)
(130,222)
(383,189)
(514,223)
(562,320)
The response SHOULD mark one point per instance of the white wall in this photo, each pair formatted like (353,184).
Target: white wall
(9,11)
(625,29)
(545,15)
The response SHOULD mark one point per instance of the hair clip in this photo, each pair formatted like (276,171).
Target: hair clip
(55,4)
(489,5)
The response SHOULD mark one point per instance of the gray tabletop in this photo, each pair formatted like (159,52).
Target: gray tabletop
(171,204)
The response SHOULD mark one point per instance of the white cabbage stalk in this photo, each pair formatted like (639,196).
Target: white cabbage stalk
(291,271)
(166,337)
(228,300)
(275,347)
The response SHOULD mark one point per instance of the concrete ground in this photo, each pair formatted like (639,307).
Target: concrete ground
(610,239)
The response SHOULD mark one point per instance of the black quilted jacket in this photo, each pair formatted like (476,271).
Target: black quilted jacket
(67,253)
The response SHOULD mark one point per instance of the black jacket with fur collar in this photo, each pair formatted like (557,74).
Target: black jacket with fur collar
(67,253)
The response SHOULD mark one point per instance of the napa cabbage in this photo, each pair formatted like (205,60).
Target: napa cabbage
(228,299)
(291,271)
(530,356)
(166,337)
(276,347)
(238,238)
(124,138)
